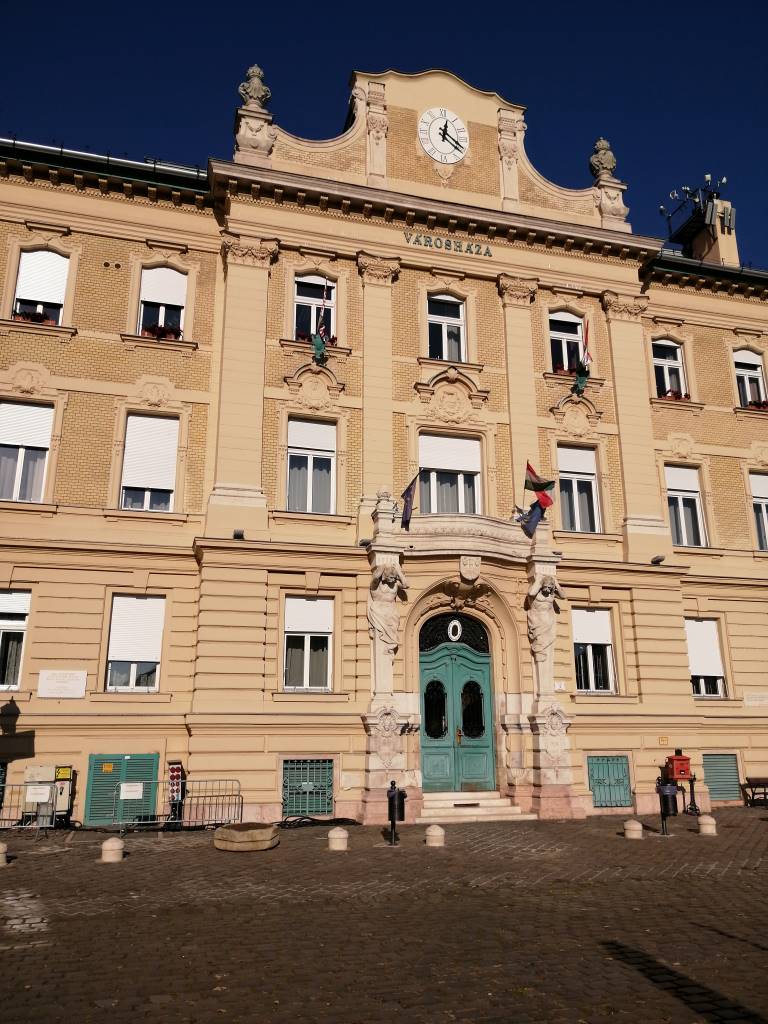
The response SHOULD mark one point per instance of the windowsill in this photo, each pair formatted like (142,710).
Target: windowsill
(569,378)
(729,701)
(178,344)
(148,516)
(281,516)
(604,695)
(41,508)
(62,333)
(460,364)
(565,535)
(678,403)
(299,694)
(144,696)
(11,693)
(306,346)
(742,410)
(685,549)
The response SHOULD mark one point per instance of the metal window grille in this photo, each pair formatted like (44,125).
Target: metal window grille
(435,632)
(308,786)
(609,781)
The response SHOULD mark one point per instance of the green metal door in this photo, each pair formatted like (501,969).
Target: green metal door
(106,772)
(721,774)
(457,747)
(609,781)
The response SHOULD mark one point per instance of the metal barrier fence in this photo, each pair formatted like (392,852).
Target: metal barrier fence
(174,805)
(28,805)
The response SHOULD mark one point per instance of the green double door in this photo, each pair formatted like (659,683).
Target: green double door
(457,749)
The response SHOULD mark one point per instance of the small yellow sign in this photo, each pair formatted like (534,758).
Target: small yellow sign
(107,767)
(663,741)
(63,772)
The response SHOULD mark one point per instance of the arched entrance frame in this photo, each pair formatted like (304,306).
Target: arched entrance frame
(494,613)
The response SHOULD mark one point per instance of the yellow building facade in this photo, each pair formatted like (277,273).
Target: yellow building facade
(203,558)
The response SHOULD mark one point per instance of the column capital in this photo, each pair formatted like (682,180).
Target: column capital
(376,269)
(624,307)
(517,291)
(239,251)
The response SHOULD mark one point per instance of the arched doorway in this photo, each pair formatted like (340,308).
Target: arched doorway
(457,746)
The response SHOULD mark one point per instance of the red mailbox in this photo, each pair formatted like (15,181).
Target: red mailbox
(677,767)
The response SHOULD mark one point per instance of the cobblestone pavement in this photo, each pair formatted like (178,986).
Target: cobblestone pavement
(524,922)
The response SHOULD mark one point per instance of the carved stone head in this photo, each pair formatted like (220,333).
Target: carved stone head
(602,162)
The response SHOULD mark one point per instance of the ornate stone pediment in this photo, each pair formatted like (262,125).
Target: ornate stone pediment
(452,397)
(155,392)
(577,416)
(29,378)
(682,446)
(314,387)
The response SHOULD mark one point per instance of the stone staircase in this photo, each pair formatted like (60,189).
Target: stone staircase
(451,808)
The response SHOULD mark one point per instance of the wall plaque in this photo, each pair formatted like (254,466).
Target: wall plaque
(61,683)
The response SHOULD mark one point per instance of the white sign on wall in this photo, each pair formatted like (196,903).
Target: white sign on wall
(38,794)
(131,790)
(756,699)
(61,683)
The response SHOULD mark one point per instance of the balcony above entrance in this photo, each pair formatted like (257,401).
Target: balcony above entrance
(466,534)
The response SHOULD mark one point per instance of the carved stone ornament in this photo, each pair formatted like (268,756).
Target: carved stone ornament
(577,416)
(249,254)
(511,131)
(376,269)
(517,291)
(609,202)
(378,126)
(469,568)
(387,582)
(553,723)
(253,91)
(542,608)
(314,387)
(28,378)
(451,405)
(760,453)
(681,445)
(602,163)
(624,307)
(453,397)
(386,728)
(256,135)
(156,392)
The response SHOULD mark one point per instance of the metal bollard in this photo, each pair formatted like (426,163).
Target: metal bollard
(112,850)
(633,829)
(3,855)
(435,836)
(338,839)
(707,825)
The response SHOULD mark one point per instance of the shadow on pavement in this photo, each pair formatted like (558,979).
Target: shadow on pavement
(730,935)
(708,1004)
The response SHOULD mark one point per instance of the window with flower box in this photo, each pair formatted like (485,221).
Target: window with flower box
(40,287)
(566,342)
(750,380)
(314,301)
(163,297)
(669,371)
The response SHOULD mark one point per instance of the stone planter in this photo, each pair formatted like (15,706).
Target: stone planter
(246,837)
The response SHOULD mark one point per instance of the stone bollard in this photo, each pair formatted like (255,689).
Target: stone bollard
(3,855)
(112,850)
(707,825)
(435,836)
(338,839)
(633,829)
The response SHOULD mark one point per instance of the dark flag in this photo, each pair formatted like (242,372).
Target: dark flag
(531,519)
(408,495)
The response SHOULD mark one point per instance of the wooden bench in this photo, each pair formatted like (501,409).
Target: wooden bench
(755,790)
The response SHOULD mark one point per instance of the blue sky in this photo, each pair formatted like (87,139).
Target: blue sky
(679,91)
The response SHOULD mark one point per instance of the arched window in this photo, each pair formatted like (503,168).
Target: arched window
(566,342)
(163,297)
(750,379)
(668,369)
(314,302)
(40,287)
(447,335)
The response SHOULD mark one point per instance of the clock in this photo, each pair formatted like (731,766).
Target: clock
(443,135)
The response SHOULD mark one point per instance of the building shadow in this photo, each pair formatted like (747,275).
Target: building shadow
(706,1003)
(14,745)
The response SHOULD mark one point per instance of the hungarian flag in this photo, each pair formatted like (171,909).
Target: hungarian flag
(408,495)
(540,486)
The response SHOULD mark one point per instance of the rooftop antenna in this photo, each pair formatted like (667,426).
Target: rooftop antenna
(697,201)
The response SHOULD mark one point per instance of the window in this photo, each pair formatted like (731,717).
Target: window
(25,437)
(759,485)
(668,369)
(135,643)
(565,342)
(311,466)
(449,475)
(308,633)
(704,658)
(163,297)
(445,318)
(315,298)
(749,377)
(578,492)
(684,503)
(593,650)
(40,287)
(14,612)
(149,463)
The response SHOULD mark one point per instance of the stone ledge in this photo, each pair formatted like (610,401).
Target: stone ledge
(178,345)
(48,330)
(38,507)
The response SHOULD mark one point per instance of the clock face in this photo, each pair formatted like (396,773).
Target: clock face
(443,135)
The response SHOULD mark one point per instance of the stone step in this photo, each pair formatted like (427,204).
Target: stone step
(448,817)
(466,800)
(505,810)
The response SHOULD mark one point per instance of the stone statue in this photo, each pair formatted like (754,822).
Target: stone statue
(542,605)
(253,91)
(383,613)
(602,163)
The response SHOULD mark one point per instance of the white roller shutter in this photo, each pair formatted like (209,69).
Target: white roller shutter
(28,426)
(703,647)
(576,460)
(459,454)
(759,484)
(151,445)
(312,434)
(14,602)
(681,478)
(42,277)
(164,285)
(308,615)
(591,626)
(136,629)
(750,358)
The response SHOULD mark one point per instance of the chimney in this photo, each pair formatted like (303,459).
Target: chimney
(709,231)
